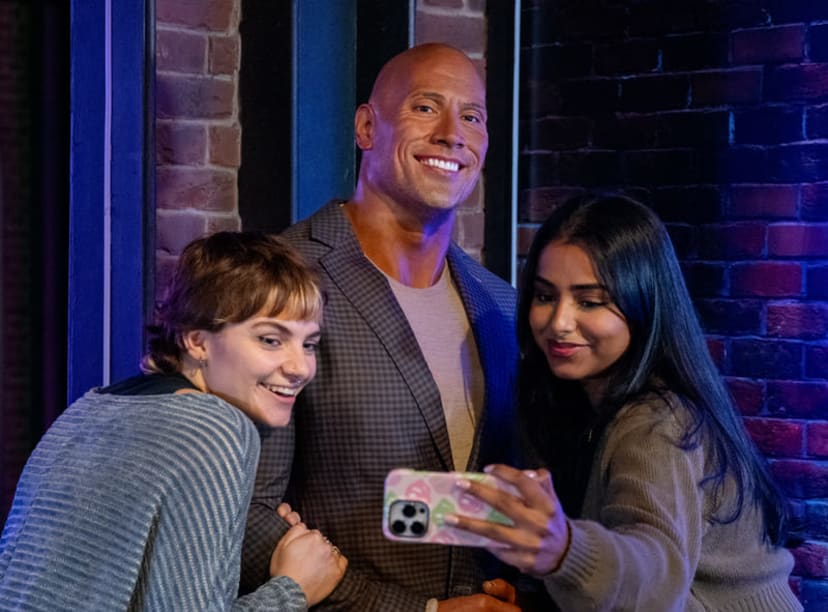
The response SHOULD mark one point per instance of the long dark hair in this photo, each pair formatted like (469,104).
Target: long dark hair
(634,258)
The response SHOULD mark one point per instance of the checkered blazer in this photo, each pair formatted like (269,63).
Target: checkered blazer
(374,406)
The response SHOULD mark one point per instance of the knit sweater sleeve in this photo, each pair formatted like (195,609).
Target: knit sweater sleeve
(199,534)
(641,549)
(279,593)
(137,502)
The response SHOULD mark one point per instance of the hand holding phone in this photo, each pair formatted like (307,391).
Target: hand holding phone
(416,502)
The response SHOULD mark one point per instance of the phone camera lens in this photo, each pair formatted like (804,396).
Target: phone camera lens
(407,518)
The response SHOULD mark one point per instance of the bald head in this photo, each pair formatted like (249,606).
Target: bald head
(424,57)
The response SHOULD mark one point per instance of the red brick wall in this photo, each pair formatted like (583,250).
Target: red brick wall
(198,135)
(716,113)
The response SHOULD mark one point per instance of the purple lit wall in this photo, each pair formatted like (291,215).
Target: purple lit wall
(716,114)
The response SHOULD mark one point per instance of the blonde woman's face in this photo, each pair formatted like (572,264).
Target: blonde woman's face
(260,365)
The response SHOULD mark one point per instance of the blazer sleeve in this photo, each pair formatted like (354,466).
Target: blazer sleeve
(357,592)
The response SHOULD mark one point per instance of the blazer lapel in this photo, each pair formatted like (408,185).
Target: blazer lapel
(367,289)
(494,334)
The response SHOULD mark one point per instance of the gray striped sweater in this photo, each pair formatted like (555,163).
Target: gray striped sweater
(137,502)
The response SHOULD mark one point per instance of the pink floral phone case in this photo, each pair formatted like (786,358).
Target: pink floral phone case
(416,501)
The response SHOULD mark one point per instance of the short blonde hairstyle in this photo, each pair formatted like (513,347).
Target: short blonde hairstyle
(228,277)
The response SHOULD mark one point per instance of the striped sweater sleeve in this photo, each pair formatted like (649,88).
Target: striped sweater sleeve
(137,503)
(280,591)
(205,519)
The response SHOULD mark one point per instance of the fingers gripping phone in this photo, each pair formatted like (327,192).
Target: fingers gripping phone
(416,501)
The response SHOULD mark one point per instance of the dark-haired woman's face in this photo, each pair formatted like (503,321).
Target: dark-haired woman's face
(573,319)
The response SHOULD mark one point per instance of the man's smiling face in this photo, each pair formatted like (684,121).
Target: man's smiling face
(428,137)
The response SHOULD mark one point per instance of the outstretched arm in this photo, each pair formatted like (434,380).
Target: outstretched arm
(640,553)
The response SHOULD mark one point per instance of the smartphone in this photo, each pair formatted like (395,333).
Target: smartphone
(416,501)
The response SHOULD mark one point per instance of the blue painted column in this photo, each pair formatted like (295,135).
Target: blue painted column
(111,200)
(324,100)
(86,200)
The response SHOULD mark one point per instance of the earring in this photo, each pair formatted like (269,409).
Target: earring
(202,363)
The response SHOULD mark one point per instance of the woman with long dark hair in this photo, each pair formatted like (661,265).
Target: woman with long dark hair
(660,501)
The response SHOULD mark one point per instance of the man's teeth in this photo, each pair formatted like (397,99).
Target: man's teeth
(442,164)
(290,391)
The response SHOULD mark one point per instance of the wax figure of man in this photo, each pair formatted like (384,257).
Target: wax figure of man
(417,364)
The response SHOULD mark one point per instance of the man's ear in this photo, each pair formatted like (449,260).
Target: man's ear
(364,127)
(194,344)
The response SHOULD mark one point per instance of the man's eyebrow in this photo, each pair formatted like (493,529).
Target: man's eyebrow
(431,95)
(477,106)
(438,97)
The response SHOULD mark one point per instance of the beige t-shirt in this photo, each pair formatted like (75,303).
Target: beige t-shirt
(439,321)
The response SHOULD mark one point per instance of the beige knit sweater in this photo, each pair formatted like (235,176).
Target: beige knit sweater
(645,541)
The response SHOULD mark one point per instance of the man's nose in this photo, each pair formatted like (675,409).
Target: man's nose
(449,131)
